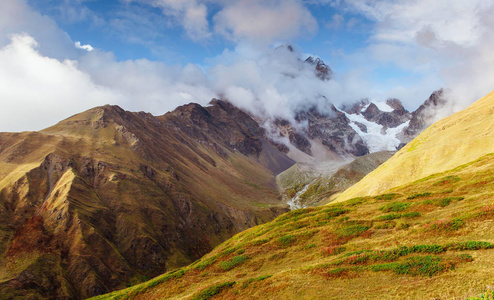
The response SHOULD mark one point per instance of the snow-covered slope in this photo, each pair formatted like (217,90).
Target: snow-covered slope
(376,137)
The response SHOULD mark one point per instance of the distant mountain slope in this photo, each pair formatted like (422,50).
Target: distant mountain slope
(429,238)
(108,198)
(455,140)
(311,184)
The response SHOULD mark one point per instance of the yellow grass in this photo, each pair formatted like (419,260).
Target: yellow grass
(292,251)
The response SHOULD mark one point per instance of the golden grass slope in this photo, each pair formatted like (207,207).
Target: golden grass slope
(429,239)
(455,140)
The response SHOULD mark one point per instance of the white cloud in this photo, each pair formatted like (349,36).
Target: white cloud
(16,17)
(444,42)
(277,83)
(148,85)
(36,90)
(265,20)
(336,22)
(87,47)
(192,15)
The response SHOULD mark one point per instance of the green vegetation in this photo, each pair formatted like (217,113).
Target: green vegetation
(213,290)
(419,195)
(398,216)
(286,240)
(352,230)
(260,278)
(489,295)
(442,202)
(235,261)
(386,197)
(444,225)
(447,180)
(395,206)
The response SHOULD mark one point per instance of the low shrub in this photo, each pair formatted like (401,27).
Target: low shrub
(235,261)
(286,240)
(387,225)
(422,265)
(385,197)
(447,180)
(444,225)
(442,202)
(352,230)
(332,250)
(410,215)
(389,217)
(486,211)
(332,212)
(395,207)
(310,246)
(419,195)
(260,278)
(489,295)
(354,201)
(213,290)
(470,245)
(203,264)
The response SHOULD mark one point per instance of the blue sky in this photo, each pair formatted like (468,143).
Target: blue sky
(133,30)
(153,55)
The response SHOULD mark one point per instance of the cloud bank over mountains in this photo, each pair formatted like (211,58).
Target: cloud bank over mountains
(45,76)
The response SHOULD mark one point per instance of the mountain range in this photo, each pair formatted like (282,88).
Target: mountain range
(109,198)
(419,226)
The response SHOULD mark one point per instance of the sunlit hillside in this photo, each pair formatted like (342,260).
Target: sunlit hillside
(431,237)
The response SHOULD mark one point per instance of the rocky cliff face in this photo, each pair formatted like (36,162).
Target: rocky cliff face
(108,198)
(359,129)
(333,130)
(425,115)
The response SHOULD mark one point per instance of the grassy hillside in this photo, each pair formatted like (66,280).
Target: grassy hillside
(432,238)
(460,138)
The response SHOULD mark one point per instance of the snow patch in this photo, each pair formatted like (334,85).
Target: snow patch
(383,106)
(376,139)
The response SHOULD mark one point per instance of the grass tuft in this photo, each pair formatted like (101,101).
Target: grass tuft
(235,261)
(395,206)
(213,290)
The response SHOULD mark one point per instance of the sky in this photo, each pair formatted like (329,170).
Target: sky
(61,57)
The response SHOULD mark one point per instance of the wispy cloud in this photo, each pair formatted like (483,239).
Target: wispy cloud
(87,47)
(264,20)
(444,41)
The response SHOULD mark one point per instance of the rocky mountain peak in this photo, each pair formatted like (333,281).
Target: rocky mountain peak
(322,70)
(425,115)
(396,105)
(371,112)
(357,107)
